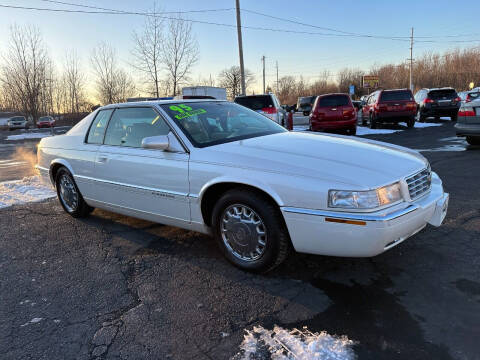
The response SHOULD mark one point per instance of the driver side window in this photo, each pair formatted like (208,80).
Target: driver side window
(129,126)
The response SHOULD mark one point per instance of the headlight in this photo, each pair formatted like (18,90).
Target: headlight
(364,199)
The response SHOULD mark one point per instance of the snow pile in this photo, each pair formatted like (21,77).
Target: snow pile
(421,125)
(361,130)
(32,135)
(29,189)
(281,344)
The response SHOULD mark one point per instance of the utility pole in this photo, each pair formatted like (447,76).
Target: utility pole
(263,61)
(276,63)
(411,61)
(240,47)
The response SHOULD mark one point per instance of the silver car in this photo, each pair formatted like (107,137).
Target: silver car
(468,123)
(17,122)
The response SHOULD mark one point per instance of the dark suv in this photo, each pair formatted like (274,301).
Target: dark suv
(390,106)
(305,104)
(437,102)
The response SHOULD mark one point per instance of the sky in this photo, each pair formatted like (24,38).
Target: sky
(296,53)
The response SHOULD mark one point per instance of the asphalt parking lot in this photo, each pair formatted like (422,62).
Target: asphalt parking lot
(116,287)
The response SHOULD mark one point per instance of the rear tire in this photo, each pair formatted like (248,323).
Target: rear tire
(352,131)
(420,117)
(372,122)
(411,123)
(69,195)
(473,140)
(239,218)
(454,118)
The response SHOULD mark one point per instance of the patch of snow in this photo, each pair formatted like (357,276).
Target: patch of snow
(33,321)
(300,128)
(420,125)
(30,135)
(282,344)
(362,130)
(29,189)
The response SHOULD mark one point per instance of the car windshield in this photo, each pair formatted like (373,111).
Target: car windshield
(442,94)
(400,95)
(255,102)
(212,123)
(44,118)
(18,118)
(334,100)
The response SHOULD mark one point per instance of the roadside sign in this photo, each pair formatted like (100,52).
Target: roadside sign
(370,81)
(472,85)
(351,89)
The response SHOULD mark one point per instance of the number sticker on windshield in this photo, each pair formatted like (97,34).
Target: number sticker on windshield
(185,111)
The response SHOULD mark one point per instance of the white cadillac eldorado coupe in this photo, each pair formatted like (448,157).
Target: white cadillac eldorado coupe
(222,169)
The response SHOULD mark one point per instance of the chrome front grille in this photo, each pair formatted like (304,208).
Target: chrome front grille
(419,184)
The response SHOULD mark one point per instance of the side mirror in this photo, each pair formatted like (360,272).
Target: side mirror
(160,142)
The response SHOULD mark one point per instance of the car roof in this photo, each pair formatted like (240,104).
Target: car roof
(442,88)
(158,102)
(247,96)
(404,89)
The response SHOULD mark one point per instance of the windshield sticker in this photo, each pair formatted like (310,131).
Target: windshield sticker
(185,111)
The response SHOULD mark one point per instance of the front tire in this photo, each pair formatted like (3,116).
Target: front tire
(250,231)
(472,140)
(69,195)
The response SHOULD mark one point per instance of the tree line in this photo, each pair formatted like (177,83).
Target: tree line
(454,68)
(162,58)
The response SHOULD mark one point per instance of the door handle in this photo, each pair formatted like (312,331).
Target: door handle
(102,159)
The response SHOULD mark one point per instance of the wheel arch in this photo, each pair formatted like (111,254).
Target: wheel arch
(212,191)
(57,164)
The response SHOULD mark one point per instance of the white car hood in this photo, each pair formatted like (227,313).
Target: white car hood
(361,163)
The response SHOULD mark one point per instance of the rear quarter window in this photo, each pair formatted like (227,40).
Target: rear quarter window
(334,100)
(255,102)
(401,95)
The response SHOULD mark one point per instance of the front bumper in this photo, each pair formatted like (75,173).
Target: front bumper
(338,233)
(16,126)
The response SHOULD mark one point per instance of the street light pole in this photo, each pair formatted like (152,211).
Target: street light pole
(240,47)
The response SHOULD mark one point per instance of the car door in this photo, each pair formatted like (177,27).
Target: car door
(149,182)
(82,159)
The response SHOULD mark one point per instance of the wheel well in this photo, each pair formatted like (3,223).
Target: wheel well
(215,192)
(53,171)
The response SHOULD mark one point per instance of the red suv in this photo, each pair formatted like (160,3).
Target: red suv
(390,106)
(334,112)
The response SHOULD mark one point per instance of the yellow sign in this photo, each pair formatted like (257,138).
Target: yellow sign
(370,81)
(471,86)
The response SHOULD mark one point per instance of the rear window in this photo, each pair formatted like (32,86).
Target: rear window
(334,100)
(400,95)
(306,100)
(255,102)
(442,94)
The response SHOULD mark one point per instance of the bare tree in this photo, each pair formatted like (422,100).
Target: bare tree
(179,51)
(74,82)
(113,83)
(147,51)
(230,79)
(25,70)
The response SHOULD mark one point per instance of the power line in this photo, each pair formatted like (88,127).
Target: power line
(128,12)
(121,12)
